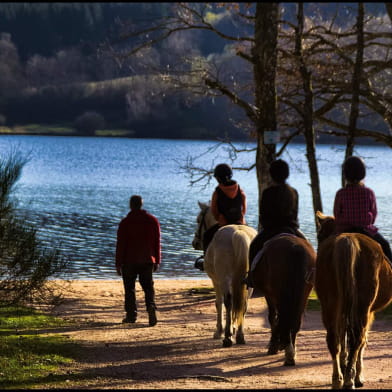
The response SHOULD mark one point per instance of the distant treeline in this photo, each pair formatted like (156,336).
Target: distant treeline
(53,73)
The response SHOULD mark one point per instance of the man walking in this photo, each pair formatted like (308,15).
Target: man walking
(138,253)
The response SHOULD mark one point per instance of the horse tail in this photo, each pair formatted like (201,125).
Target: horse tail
(293,298)
(241,242)
(344,258)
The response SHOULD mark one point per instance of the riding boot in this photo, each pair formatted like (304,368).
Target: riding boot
(199,263)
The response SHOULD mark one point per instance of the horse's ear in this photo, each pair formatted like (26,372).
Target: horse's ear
(319,218)
(202,205)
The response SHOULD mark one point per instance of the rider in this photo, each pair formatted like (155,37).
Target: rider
(355,207)
(228,205)
(278,211)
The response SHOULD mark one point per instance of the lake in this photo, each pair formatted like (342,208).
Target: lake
(76,190)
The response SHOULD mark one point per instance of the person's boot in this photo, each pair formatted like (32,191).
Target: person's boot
(199,263)
(152,317)
(130,318)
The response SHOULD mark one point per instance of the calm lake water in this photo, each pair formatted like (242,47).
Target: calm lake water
(76,190)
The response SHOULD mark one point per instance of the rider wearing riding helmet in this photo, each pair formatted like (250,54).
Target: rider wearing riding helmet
(355,207)
(228,205)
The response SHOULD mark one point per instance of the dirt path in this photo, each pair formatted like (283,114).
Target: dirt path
(180,353)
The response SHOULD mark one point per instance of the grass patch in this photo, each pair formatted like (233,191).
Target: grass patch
(202,293)
(38,129)
(385,313)
(28,358)
(314,304)
(115,132)
(59,130)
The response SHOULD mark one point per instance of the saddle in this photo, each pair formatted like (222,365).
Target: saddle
(260,253)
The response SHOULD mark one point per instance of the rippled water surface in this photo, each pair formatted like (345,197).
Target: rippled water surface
(77,190)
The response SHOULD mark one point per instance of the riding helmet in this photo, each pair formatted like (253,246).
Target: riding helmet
(223,173)
(354,169)
(279,170)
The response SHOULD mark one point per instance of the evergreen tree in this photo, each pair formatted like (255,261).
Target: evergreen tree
(25,265)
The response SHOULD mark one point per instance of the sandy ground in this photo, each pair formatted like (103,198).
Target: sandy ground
(180,352)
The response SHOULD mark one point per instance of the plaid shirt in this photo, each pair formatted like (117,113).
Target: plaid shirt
(355,206)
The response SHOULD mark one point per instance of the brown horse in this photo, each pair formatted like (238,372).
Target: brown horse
(353,281)
(283,274)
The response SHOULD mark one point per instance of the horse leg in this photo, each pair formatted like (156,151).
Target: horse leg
(359,367)
(358,382)
(355,350)
(290,350)
(218,304)
(240,308)
(343,354)
(240,338)
(227,299)
(349,374)
(334,349)
(290,355)
(273,345)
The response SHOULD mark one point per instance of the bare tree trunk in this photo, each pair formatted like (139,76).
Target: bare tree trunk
(356,83)
(265,60)
(388,7)
(307,115)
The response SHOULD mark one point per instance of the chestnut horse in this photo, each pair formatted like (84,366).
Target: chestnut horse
(353,281)
(284,274)
(226,263)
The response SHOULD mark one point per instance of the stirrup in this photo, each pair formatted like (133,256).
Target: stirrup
(199,264)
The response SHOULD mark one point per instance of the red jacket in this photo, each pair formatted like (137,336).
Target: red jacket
(138,239)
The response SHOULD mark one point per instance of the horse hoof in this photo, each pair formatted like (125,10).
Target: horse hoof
(240,340)
(358,383)
(289,362)
(337,383)
(227,342)
(272,350)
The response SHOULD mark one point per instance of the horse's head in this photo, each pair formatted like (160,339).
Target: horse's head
(325,226)
(205,220)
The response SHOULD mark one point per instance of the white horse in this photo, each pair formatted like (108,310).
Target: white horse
(226,263)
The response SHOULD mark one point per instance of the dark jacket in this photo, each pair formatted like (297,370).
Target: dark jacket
(229,191)
(138,239)
(279,207)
